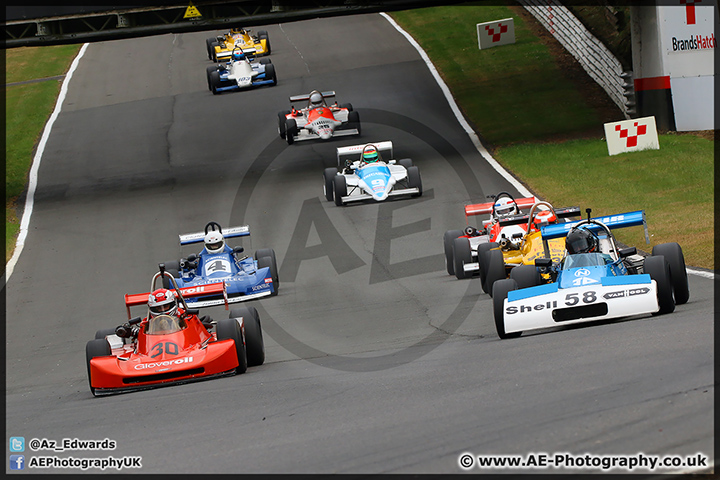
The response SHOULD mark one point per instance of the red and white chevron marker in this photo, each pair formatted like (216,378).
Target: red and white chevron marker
(632,135)
(494,34)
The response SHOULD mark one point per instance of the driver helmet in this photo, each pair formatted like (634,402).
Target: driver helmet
(214,242)
(544,216)
(505,206)
(162,302)
(238,55)
(370,154)
(316,99)
(581,240)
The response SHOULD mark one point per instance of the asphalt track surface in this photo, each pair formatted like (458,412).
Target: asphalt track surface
(376,359)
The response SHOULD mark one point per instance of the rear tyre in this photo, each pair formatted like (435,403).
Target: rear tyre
(405,162)
(210,44)
(414,180)
(339,189)
(462,254)
(526,276)
(328,175)
(254,343)
(499,294)
(173,268)
(678,272)
(229,329)
(95,348)
(448,239)
(659,270)
(495,269)
(263,35)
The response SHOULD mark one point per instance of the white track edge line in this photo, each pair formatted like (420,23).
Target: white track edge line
(33,176)
(471,133)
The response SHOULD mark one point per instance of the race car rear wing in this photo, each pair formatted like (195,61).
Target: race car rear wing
(623,220)
(481,208)
(198,237)
(306,96)
(566,212)
(353,152)
(133,300)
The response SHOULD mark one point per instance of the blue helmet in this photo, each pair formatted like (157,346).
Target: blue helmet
(238,55)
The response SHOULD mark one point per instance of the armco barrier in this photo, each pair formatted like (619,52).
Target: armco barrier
(595,58)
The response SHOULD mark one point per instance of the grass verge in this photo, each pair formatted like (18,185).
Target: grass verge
(542,127)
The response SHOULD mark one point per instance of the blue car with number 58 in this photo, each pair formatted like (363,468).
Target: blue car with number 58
(595,280)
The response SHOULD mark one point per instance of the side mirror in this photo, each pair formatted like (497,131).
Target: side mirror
(134,321)
(626,252)
(192,257)
(238,250)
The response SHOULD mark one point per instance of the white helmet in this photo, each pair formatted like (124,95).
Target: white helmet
(505,206)
(162,302)
(316,99)
(214,242)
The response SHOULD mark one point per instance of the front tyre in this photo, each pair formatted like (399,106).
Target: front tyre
(659,270)
(95,348)
(678,272)
(339,189)
(328,176)
(414,180)
(254,344)
(495,269)
(501,288)
(229,329)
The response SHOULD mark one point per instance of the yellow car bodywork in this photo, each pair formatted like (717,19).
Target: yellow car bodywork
(239,38)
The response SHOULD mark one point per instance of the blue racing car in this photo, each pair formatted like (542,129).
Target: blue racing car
(247,278)
(594,281)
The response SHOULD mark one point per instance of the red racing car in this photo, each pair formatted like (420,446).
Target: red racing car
(462,246)
(172,344)
(317,120)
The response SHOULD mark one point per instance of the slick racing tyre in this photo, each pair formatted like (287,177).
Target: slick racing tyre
(354,121)
(263,35)
(328,176)
(414,180)
(482,250)
(95,348)
(270,74)
(499,294)
(448,239)
(281,122)
(101,334)
(339,189)
(495,269)
(254,343)
(405,162)
(678,272)
(462,254)
(659,270)
(229,329)
(526,276)
(291,130)
(268,262)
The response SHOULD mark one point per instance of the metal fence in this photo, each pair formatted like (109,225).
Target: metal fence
(591,53)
